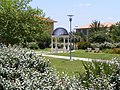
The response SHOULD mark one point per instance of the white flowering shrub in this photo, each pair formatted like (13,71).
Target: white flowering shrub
(105,45)
(101,76)
(22,69)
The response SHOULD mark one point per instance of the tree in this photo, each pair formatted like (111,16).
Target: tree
(19,22)
(98,32)
(43,40)
(79,36)
(95,26)
(100,38)
(115,32)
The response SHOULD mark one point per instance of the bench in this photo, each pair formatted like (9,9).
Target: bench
(89,50)
(97,50)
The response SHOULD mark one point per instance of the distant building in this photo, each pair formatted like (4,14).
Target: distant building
(85,29)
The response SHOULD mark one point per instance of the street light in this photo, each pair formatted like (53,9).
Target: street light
(70,19)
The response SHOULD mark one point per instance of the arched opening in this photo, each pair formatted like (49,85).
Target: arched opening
(60,40)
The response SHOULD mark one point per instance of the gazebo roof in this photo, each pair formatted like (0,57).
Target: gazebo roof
(60,32)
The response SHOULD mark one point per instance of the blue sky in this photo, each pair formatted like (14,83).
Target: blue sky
(84,11)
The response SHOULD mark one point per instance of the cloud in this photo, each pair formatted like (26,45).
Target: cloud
(81,4)
(88,4)
(109,18)
(85,4)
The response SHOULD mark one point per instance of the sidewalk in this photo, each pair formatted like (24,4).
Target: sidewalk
(75,58)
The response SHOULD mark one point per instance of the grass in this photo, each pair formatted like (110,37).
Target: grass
(44,50)
(66,66)
(76,67)
(92,55)
(47,49)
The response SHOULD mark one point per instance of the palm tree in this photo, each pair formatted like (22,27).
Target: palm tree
(97,31)
(95,26)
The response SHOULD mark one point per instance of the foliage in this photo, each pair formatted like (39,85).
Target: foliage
(43,40)
(105,45)
(78,36)
(98,33)
(99,37)
(117,45)
(33,45)
(20,22)
(108,51)
(83,45)
(113,51)
(95,26)
(22,69)
(101,76)
(115,32)
(116,50)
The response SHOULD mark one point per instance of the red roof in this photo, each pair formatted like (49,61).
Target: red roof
(108,24)
(46,19)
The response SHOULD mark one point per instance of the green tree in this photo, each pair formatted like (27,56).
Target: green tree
(19,21)
(43,40)
(100,38)
(115,32)
(79,36)
(95,26)
(98,32)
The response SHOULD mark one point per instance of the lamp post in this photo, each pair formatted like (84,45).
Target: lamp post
(70,19)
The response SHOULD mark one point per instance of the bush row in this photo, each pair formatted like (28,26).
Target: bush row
(105,45)
(113,51)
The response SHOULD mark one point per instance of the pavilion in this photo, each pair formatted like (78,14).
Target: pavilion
(60,34)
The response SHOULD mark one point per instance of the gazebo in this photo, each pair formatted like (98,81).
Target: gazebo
(60,33)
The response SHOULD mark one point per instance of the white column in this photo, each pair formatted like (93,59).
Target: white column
(51,44)
(64,48)
(56,48)
(68,45)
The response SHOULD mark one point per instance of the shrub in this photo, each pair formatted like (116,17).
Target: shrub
(113,51)
(83,45)
(108,51)
(101,76)
(117,45)
(116,50)
(105,45)
(23,70)
(44,40)
(33,45)
(95,45)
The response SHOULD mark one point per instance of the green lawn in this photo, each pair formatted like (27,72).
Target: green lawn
(66,66)
(76,67)
(83,54)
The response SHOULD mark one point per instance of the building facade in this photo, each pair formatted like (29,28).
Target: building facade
(85,28)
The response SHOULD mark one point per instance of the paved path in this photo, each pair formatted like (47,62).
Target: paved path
(75,58)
